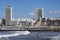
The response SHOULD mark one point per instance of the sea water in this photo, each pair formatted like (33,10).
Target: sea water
(27,35)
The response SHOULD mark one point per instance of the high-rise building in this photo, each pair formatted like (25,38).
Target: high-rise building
(8,14)
(38,13)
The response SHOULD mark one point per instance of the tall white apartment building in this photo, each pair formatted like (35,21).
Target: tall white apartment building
(38,13)
(8,14)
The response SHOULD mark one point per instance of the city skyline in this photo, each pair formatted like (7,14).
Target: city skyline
(25,8)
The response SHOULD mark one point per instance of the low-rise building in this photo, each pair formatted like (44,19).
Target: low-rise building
(51,22)
(4,21)
(0,21)
(14,22)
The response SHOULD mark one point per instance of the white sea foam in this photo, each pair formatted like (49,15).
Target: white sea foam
(14,34)
(55,37)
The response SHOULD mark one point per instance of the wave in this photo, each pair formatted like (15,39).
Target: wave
(16,33)
(56,37)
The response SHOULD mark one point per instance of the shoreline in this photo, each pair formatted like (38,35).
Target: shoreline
(33,29)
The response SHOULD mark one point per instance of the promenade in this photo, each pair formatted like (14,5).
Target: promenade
(31,28)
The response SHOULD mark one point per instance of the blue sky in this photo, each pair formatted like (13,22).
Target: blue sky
(25,8)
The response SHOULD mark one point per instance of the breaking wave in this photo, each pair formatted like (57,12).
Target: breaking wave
(56,37)
(17,33)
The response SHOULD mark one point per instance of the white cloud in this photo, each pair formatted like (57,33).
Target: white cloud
(31,13)
(54,12)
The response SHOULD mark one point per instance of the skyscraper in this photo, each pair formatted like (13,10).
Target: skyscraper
(8,14)
(38,13)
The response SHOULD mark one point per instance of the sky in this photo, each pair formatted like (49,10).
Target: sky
(25,8)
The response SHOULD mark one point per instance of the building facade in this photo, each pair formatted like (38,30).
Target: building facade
(0,22)
(8,14)
(38,13)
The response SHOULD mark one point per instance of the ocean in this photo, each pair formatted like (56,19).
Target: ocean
(26,35)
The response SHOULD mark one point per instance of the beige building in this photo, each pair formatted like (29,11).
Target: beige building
(14,22)
(8,14)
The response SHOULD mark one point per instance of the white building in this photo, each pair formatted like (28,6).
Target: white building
(0,21)
(33,22)
(38,13)
(8,14)
(24,21)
